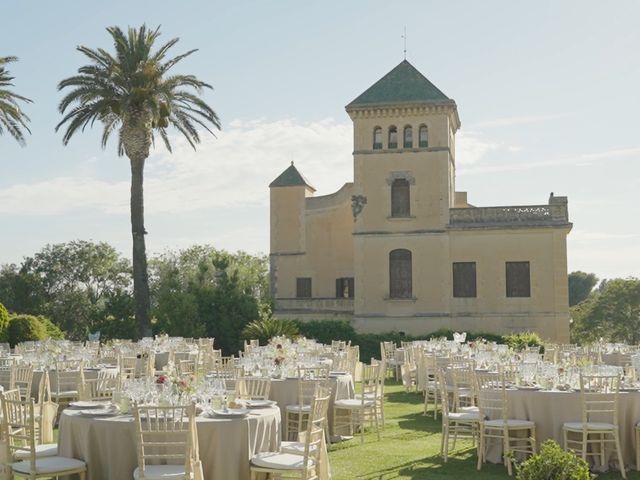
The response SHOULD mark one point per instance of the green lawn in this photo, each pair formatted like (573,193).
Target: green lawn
(410,448)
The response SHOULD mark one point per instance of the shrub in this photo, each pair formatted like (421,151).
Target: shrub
(553,463)
(52,330)
(4,322)
(518,341)
(24,328)
(324,331)
(267,328)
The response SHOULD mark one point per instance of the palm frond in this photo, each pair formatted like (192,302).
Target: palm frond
(12,118)
(129,85)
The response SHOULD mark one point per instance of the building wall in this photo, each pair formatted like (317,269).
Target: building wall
(314,240)
(317,237)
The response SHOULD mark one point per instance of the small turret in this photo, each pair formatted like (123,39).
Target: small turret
(288,192)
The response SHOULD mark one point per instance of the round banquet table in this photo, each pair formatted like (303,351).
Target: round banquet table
(107,444)
(549,409)
(285,392)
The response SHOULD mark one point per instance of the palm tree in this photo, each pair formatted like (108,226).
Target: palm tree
(12,118)
(132,93)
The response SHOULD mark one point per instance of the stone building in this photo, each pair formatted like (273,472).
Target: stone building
(399,248)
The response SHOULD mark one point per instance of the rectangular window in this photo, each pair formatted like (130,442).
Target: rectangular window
(303,287)
(518,279)
(344,287)
(464,279)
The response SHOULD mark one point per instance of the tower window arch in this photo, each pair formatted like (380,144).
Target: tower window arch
(423,140)
(393,137)
(408,137)
(377,138)
(400,198)
(400,275)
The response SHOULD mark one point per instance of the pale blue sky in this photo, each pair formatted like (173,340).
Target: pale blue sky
(547,92)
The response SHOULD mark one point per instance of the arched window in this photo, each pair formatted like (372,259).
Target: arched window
(408,137)
(423,141)
(377,138)
(400,198)
(393,137)
(400,277)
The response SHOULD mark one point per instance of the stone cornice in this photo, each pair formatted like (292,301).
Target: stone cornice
(408,110)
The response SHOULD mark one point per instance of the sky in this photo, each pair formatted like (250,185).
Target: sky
(547,93)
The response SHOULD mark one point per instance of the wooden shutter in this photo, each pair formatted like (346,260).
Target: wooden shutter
(400,275)
(400,198)
(518,279)
(303,287)
(351,287)
(464,279)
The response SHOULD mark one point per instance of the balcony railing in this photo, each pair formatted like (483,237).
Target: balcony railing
(553,214)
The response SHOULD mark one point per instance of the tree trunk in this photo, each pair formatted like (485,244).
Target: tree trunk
(136,139)
(140,275)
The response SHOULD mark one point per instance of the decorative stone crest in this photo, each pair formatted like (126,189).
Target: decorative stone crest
(405,175)
(357,205)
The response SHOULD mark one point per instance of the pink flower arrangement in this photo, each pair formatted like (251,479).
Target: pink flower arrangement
(162,379)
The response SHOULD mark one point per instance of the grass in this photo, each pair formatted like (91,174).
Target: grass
(410,449)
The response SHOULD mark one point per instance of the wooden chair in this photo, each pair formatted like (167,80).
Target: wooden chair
(253,388)
(495,422)
(305,461)
(66,384)
(22,379)
(100,388)
(359,411)
(297,414)
(455,423)
(598,427)
(28,459)
(166,442)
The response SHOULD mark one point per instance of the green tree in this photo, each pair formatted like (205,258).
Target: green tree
(611,313)
(203,291)
(132,93)
(77,284)
(580,286)
(12,118)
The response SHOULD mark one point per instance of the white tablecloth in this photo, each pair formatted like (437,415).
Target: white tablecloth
(226,445)
(550,409)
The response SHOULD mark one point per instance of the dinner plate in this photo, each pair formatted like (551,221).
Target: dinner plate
(231,412)
(259,403)
(86,404)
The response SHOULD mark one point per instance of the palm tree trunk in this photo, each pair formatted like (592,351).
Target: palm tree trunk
(140,275)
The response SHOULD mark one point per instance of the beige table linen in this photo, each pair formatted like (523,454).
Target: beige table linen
(285,392)
(226,445)
(551,409)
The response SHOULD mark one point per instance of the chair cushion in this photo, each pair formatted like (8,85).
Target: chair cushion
(296,408)
(599,426)
(469,409)
(352,403)
(161,472)
(279,461)
(464,416)
(44,450)
(511,423)
(297,448)
(50,465)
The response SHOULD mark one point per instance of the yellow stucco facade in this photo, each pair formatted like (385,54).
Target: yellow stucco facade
(399,248)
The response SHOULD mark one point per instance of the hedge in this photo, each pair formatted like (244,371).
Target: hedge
(325,331)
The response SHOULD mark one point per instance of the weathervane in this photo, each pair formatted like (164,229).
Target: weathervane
(404,36)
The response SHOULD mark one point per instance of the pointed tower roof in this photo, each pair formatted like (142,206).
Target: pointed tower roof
(291,177)
(402,85)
